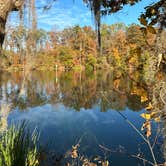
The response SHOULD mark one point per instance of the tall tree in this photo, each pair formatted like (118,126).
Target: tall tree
(6,6)
(105,7)
(95,7)
(32,27)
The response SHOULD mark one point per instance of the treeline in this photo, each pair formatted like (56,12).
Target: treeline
(76,48)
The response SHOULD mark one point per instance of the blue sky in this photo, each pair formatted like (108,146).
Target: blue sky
(65,13)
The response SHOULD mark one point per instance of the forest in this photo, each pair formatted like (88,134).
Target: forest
(82,48)
(82,95)
(76,48)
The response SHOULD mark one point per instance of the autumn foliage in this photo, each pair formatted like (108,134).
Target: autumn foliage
(125,47)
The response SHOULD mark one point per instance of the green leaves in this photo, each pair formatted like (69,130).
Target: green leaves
(18,147)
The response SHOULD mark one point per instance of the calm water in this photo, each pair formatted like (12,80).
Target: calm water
(68,107)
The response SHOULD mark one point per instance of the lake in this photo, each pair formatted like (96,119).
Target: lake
(78,107)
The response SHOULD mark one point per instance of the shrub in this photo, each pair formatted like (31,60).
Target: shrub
(66,57)
(90,62)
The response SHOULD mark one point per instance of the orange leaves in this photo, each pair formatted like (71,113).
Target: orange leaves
(115,53)
(146,116)
(151,29)
(147,127)
(149,107)
(105,163)
(144,98)
(140,92)
(82,160)
(151,116)
(74,152)
(88,163)
(132,60)
(116,83)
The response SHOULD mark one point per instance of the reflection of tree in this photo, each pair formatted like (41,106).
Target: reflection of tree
(134,102)
(30,98)
(76,90)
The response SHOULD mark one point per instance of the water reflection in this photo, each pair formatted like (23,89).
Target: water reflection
(76,90)
(67,105)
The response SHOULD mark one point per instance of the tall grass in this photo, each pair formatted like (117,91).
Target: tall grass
(18,147)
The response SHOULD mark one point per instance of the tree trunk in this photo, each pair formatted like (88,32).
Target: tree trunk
(2,32)
(6,6)
(99,38)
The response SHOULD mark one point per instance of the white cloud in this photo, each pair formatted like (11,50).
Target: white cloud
(64,17)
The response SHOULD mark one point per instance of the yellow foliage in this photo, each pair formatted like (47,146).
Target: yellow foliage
(157,119)
(144,98)
(105,163)
(74,152)
(146,116)
(149,107)
(153,11)
(150,116)
(132,60)
(116,83)
(116,53)
(140,92)
(151,29)
(147,127)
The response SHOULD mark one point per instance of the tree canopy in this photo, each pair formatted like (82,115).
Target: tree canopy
(154,14)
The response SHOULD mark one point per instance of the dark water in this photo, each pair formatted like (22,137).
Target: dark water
(68,108)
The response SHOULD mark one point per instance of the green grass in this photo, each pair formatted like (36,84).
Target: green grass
(18,147)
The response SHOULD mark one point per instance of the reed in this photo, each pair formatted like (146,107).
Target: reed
(18,147)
